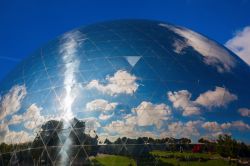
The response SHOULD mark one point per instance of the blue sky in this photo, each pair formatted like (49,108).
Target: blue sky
(27,25)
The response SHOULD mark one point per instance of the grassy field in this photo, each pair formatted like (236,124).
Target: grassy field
(184,154)
(163,158)
(174,162)
(113,160)
(171,159)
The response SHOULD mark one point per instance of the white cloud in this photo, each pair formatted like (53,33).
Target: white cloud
(121,82)
(216,127)
(212,126)
(16,119)
(214,135)
(147,114)
(225,126)
(101,105)
(91,124)
(240,125)
(212,53)
(4,129)
(180,129)
(13,137)
(240,44)
(32,118)
(244,112)
(181,100)
(103,136)
(105,116)
(120,127)
(11,102)
(217,98)
(179,46)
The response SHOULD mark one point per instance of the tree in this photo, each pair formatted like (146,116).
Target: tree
(185,141)
(48,134)
(107,141)
(54,134)
(244,150)
(203,140)
(227,147)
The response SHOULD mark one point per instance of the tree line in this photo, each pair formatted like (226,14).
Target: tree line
(54,134)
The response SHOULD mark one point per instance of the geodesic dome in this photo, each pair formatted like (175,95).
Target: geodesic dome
(122,87)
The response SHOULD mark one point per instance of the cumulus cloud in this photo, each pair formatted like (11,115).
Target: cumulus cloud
(91,124)
(180,129)
(105,116)
(244,112)
(13,137)
(240,44)
(182,100)
(32,118)
(101,105)
(177,129)
(120,127)
(217,98)
(240,125)
(16,119)
(216,127)
(212,126)
(212,53)
(121,83)
(147,114)
(10,103)
(4,129)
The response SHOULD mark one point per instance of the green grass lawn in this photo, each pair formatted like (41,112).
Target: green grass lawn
(173,161)
(184,154)
(116,160)
(113,160)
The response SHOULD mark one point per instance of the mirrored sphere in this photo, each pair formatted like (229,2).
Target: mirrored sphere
(121,88)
